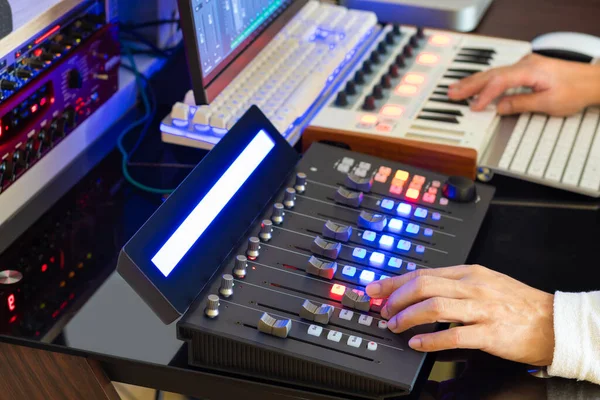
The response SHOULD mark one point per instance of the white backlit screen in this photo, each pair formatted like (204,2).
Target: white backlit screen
(217,198)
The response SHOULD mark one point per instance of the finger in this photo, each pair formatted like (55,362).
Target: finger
(521,103)
(462,337)
(423,288)
(435,309)
(384,288)
(469,86)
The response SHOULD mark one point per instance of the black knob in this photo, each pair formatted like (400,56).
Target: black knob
(397,30)
(414,41)
(23,73)
(378,92)
(394,71)
(460,189)
(69,117)
(43,137)
(350,88)
(5,84)
(366,68)
(29,148)
(382,48)
(375,59)
(389,38)
(56,48)
(400,61)
(359,77)
(369,104)
(341,100)
(420,32)
(45,56)
(35,64)
(386,81)
(408,51)
(74,79)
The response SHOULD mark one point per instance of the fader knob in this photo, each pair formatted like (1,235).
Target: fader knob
(460,189)
(74,79)
(300,185)
(351,87)
(266,230)
(253,248)
(212,306)
(289,198)
(239,269)
(278,214)
(226,288)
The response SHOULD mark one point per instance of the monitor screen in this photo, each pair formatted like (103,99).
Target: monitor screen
(225,26)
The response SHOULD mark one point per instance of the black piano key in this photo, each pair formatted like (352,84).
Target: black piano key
(464,71)
(478,50)
(443,86)
(457,77)
(473,61)
(467,55)
(448,101)
(450,120)
(456,113)
(441,93)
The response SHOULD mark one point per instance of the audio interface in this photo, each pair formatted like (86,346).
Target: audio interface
(267,256)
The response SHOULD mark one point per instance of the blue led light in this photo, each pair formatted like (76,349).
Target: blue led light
(436,216)
(386,241)
(376,258)
(367,277)
(211,205)
(404,245)
(404,209)
(395,262)
(387,204)
(349,271)
(420,249)
(429,232)
(359,253)
(369,236)
(395,225)
(413,229)
(421,213)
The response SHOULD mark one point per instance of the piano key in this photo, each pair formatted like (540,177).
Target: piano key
(478,50)
(441,93)
(450,120)
(464,71)
(443,86)
(448,101)
(457,77)
(479,61)
(444,111)
(475,55)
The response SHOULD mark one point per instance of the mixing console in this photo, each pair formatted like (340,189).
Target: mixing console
(268,258)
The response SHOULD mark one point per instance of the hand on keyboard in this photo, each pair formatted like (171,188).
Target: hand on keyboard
(559,88)
(501,316)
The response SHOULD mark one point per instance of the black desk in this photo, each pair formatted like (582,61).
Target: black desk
(538,235)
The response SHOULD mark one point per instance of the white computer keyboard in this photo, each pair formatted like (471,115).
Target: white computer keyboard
(284,80)
(558,152)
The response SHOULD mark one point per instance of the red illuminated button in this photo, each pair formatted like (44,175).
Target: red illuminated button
(393,111)
(440,40)
(396,189)
(429,198)
(414,79)
(37,52)
(381,178)
(419,179)
(433,190)
(412,194)
(384,128)
(406,90)
(428,59)
(377,302)
(386,171)
(338,290)
(415,185)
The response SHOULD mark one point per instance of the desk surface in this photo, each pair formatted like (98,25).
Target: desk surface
(538,235)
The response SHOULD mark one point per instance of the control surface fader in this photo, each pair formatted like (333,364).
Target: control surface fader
(280,271)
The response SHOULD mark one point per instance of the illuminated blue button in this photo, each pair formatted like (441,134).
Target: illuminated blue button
(359,253)
(436,216)
(349,271)
(369,236)
(404,245)
(395,262)
(386,241)
(367,277)
(376,258)
(420,249)
(411,266)
(382,277)
(395,225)
(421,213)
(412,229)
(387,204)
(429,232)
(404,209)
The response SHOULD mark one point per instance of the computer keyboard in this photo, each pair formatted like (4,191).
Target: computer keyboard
(559,152)
(284,80)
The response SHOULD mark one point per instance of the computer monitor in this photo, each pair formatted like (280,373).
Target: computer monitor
(222,36)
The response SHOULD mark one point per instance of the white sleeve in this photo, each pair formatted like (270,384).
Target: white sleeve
(576,336)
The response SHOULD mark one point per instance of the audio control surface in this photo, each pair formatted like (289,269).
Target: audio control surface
(279,271)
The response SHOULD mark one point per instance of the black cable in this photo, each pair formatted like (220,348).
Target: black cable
(157,395)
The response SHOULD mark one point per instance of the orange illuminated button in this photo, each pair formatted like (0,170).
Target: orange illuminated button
(406,90)
(381,178)
(415,185)
(376,302)
(412,194)
(433,190)
(428,59)
(369,119)
(385,171)
(414,79)
(440,40)
(419,179)
(402,175)
(391,110)
(338,290)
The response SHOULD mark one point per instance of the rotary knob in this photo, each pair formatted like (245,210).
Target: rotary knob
(460,189)
(369,104)
(378,92)
(397,30)
(212,306)
(300,185)
(341,99)
(366,67)
(289,198)
(414,41)
(351,87)
(400,61)
(420,32)
(278,214)
(408,51)
(226,288)
(382,48)
(394,71)
(239,269)
(359,77)
(253,248)
(389,38)
(375,59)
(386,81)
(266,230)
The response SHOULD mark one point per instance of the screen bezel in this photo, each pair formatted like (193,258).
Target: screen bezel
(199,264)
(206,88)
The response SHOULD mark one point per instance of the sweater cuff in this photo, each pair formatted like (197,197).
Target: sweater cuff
(576,336)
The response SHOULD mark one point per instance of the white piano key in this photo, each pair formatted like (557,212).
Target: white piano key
(515,139)
(528,144)
(545,147)
(562,151)
(582,146)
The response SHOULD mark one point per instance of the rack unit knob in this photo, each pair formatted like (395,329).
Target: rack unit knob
(239,269)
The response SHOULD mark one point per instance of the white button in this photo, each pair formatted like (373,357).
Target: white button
(372,346)
(348,161)
(343,168)
(364,165)
(202,115)
(334,336)
(382,324)
(315,330)
(347,315)
(365,320)
(362,173)
(180,111)
(349,271)
(354,341)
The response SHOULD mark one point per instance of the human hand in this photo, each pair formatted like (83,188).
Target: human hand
(500,315)
(559,88)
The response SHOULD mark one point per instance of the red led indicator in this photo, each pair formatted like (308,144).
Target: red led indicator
(37,52)
(44,267)
(34,108)
(52,100)
(63,305)
(43,102)
(0,130)
(47,34)
(338,290)
(71,296)
(18,55)
(253,268)
(55,314)
(13,319)
(52,259)
(11,302)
